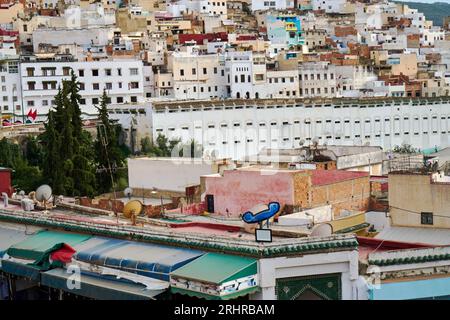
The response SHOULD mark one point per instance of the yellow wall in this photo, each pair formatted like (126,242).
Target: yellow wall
(411,194)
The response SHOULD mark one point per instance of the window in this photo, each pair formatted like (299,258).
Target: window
(31,85)
(133,99)
(215,70)
(30,103)
(108,86)
(95,86)
(134,85)
(95,72)
(426,218)
(119,99)
(108,72)
(194,71)
(94,100)
(205,71)
(30,72)
(48,71)
(81,86)
(119,72)
(66,71)
(81,73)
(181,72)
(134,71)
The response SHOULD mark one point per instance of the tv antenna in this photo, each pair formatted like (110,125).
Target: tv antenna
(103,135)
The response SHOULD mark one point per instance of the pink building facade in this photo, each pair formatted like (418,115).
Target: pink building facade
(237,191)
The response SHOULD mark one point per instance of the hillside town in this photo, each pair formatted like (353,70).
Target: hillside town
(224,150)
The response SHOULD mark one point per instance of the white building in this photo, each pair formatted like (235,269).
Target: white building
(272,4)
(198,76)
(10,93)
(123,80)
(317,79)
(236,128)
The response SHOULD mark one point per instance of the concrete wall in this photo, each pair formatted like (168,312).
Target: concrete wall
(349,195)
(171,174)
(344,263)
(240,190)
(411,194)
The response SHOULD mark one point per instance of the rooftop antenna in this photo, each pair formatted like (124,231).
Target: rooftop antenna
(104,141)
(43,194)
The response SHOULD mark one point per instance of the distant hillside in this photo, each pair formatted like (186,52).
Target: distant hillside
(436,11)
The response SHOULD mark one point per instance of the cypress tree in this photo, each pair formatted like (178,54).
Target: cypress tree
(108,153)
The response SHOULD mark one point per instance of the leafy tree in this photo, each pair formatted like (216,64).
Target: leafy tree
(33,151)
(163,147)
(405,149)
(25,176)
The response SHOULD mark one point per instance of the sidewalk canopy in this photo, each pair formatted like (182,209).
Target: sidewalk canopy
(94,287)
(150,260)
(216,276)
(32,254)
(10,236)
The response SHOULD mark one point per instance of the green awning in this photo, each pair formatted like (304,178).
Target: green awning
(38,247)
(216,268)
(202,295)
(216,276)
(26,270)
(99,288)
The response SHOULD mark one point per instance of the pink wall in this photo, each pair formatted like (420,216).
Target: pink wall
(240,190)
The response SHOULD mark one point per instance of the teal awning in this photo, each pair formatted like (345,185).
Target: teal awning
(216,268)
(38,247)
(230,276)
(97,288)
(21,269)
(9,235)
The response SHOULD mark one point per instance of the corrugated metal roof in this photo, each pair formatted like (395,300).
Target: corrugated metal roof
(416,235)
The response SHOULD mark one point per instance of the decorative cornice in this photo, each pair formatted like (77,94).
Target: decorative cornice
(409,256)
(294,246)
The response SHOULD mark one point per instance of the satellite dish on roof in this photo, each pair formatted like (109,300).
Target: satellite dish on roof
(322,230)
(128,192)
(132,209)
(43,193)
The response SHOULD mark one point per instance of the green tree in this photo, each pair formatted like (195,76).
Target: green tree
(108,153)
(25,176)
(405,148)
(163,147)
(68,149)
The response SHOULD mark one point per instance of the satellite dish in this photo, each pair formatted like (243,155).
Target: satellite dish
(302,142)
(315,141)
(322,230)
(43,193)
(128,192)
(132,208)
(21,193)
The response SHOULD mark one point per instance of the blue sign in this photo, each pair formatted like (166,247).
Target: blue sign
(250,217)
